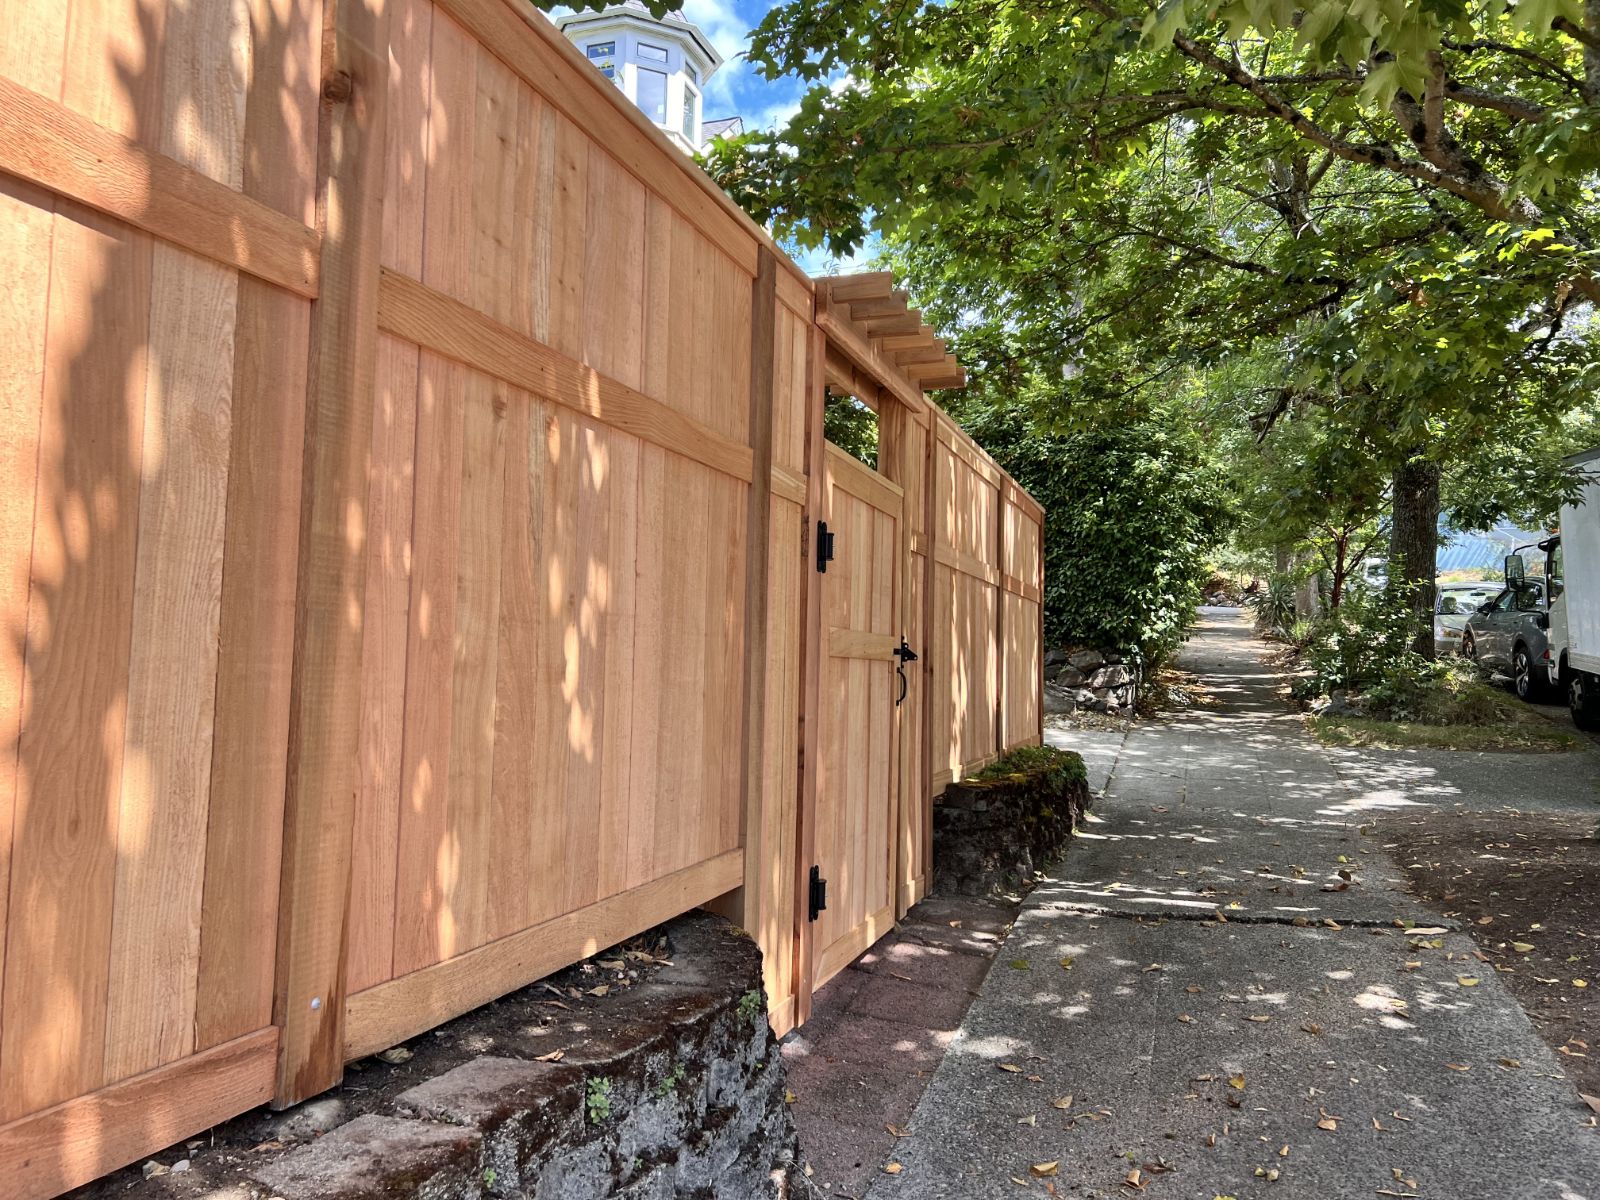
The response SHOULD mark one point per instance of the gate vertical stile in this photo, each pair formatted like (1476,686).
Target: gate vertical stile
(811,651)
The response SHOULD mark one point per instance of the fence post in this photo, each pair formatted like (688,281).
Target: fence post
(1000,671)
(308,1002)
(748,905)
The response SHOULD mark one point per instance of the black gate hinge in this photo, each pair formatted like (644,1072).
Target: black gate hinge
(824,546)
(818,900)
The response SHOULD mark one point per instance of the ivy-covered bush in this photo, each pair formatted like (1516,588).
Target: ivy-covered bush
(1132,515)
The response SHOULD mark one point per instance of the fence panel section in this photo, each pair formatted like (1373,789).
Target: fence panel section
(156,242)
(552,730)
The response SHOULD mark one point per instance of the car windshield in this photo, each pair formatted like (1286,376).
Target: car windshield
(1464,600)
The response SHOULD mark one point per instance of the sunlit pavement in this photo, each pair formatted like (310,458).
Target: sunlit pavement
(1197,987)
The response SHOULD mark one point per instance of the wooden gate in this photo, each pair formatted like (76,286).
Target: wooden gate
(858,783)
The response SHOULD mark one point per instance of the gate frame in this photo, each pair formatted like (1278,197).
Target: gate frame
(869,344)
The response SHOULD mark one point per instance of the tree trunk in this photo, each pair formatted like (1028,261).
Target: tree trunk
(1341,548)
(1414,544)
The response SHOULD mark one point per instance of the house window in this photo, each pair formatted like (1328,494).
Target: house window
(693,75)
(653,94)
(604,56)
(650,53)
(691,129)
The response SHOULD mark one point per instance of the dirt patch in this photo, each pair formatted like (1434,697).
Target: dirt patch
(1527,888)
(1172,690)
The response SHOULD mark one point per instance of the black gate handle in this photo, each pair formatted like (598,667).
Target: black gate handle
(905,654)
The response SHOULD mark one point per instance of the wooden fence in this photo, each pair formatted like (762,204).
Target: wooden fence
(408,555)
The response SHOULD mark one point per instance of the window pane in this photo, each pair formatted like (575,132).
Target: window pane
(694,76)
(653,53)
(688,115)
(604,56)
(653,94)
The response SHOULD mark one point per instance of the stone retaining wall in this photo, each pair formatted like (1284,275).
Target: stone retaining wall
(1095,680)
(660,1079)
(992,834)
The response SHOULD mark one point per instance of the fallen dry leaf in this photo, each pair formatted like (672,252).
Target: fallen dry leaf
(1467,980)
(553,1056)
(898,1131)
(892,1168)
(1236,1082)
(395,1054)
(1044,1170)
(1011,1067)
(1592,1101)
(1459,1066)
(1522,947)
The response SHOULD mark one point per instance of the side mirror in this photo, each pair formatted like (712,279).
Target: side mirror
(1516,570)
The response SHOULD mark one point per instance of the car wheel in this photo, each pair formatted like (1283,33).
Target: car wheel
(1583,697)
(1524,678)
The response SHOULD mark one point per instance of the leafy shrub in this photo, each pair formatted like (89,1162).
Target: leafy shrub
(1365,648)
(1447,692)
(1132,514)
(1273,606)
(1364,641)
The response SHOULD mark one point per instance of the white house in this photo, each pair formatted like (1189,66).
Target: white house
(661,64)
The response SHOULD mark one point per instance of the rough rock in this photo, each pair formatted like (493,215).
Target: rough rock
(1110,677)
(1086,660)
(1058,700)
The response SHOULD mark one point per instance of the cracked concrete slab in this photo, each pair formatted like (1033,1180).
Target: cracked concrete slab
(1124,1027)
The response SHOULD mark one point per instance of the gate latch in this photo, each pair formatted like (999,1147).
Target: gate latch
(818,900)
(824,546)
(906,655)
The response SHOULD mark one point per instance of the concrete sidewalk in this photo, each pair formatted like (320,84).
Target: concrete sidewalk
(1198,987)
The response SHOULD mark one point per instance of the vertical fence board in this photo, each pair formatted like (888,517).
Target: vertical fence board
(324,733)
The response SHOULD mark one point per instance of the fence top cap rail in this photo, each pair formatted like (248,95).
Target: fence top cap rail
(896,332)
(597,89)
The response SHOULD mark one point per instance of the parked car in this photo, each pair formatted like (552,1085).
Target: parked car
(1510,634)
(1456,602)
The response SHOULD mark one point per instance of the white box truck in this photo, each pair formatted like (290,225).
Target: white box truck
(1572,566)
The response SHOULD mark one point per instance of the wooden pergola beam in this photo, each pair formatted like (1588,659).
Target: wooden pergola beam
(867,285)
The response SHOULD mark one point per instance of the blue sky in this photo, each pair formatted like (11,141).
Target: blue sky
(737,90)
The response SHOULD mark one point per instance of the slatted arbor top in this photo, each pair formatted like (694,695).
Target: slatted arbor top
(872,324)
